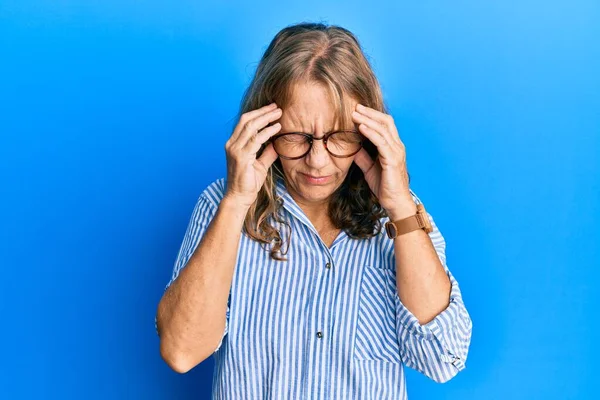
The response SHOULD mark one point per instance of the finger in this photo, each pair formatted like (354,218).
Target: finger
(256,141)
(374,125)
(371,168)
(383,147)
(261,110)
(384,119)
(374,114)
(250,116)
(255,125)
(268,157)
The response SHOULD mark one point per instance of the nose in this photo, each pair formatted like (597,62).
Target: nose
(318,156)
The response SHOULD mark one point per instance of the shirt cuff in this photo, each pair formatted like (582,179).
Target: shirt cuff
(442,328)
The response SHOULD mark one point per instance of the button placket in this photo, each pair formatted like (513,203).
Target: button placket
(321,319)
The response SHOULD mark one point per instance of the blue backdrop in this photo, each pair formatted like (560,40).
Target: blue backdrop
(114,116)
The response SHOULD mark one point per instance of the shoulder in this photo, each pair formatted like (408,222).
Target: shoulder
(213,193)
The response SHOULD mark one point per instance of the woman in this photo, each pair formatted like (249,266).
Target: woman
(285,273)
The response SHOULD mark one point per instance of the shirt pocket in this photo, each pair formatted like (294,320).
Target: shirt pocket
(376,338)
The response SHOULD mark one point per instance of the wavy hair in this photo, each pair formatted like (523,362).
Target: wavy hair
(331,56)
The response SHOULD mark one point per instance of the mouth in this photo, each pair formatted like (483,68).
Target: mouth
(315,179)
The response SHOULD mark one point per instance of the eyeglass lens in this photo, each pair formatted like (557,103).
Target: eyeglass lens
(342,144)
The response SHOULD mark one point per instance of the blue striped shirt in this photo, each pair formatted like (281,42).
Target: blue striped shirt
(328,323)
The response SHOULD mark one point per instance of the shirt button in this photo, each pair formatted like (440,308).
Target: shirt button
(319,335)
(328,265)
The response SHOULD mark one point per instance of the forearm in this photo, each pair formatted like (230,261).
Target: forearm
(191,313)
(422,283)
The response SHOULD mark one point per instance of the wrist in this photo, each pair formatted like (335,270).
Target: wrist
(402,210)
(234,206)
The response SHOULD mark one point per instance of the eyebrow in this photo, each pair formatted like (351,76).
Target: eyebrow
(325,133)
(312,134)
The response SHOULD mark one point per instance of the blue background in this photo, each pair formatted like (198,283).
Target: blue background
(114,116)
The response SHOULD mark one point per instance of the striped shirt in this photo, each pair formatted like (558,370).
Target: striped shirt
(328,323)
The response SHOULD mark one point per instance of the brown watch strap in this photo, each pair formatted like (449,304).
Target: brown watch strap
(418,221)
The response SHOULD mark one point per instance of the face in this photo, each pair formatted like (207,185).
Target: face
(311,111)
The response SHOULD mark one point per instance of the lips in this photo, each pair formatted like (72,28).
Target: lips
(316,180)
(316,177)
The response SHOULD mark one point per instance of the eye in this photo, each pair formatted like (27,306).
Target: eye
(294,138)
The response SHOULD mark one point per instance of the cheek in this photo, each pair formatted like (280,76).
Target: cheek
(289,165)
(346,164)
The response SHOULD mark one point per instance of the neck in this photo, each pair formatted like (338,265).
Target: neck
(317,213)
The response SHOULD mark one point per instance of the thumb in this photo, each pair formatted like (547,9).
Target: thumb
(363,160)
(268,156)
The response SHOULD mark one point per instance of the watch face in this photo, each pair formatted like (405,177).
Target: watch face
(390,229)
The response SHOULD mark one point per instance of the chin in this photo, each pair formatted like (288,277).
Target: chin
(316,198)
(316,192)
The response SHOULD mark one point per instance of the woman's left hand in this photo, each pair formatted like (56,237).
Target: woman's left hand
(387,175)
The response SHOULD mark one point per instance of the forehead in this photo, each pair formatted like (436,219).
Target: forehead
(311,107)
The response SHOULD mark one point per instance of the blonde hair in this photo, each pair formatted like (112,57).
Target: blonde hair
(330,56)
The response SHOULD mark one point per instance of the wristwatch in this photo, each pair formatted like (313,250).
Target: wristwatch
(418,221)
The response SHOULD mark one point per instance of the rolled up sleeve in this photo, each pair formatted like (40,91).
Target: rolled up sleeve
(440,347)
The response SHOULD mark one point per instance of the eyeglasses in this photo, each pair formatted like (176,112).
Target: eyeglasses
(295,145)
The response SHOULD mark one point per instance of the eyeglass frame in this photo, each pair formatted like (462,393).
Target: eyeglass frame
(311,138)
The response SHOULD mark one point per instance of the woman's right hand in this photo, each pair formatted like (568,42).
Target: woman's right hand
(246,174)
